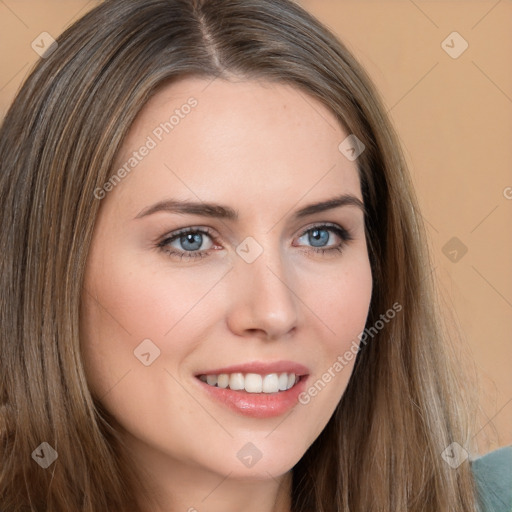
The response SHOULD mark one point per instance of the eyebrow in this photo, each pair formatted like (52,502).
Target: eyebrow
(225,212)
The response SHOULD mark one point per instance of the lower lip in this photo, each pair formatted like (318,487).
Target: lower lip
(257,405)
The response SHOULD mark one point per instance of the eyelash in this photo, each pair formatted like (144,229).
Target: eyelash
(162,245)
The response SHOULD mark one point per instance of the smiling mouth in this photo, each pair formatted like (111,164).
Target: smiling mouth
(253,382)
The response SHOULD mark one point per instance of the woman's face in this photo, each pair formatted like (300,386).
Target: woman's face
(261,287)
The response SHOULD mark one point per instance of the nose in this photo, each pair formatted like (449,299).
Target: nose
(262,300)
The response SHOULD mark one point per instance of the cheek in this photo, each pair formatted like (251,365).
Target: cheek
(126,301)
(341,300)
(143,300)
(341,310)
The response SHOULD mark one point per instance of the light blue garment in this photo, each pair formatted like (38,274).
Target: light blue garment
(493,478)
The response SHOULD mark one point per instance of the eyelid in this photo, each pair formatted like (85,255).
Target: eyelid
(173,235)
(336,227)
(213,234)
(343,233)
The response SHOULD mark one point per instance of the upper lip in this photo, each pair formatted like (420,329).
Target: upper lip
(261,367)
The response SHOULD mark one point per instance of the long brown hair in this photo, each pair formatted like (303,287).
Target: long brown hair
(381,450)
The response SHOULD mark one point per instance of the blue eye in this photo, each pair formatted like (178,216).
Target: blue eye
(190,239)
(319,236)
(188,242)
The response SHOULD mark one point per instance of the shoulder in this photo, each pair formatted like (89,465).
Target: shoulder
(493,477)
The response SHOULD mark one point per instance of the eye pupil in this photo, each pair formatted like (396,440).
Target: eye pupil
(315,237)
(193,238)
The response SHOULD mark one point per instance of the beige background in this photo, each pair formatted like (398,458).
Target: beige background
(454,117)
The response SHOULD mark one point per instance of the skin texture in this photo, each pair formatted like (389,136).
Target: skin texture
(265,150)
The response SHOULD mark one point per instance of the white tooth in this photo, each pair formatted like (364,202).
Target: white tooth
(211,379)
(253,383)
(283,381)
(270,383)
(223,380)
(236,381)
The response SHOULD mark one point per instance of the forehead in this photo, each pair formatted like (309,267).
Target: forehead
(208,138)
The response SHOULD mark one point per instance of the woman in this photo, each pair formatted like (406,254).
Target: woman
(216,291)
